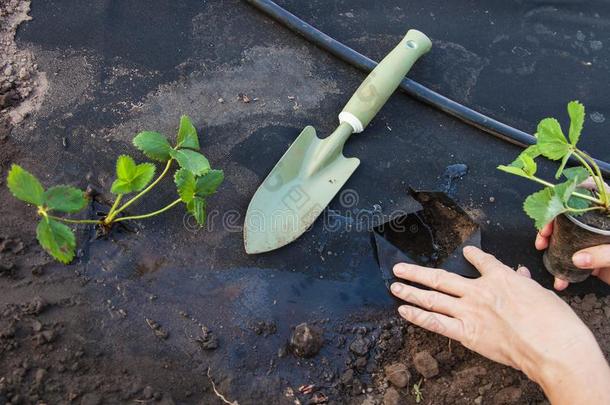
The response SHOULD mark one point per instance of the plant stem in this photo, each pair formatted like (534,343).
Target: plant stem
(539,180)
(110,218)
(597,176)
(75,221)
(150,214)
(116,204)
(575,194)
(587,197)
(582,160)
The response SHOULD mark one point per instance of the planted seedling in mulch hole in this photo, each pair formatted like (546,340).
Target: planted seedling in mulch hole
(195,180)
(581,214)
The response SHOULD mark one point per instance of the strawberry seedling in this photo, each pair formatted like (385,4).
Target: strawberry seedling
(566,197)
(195,180)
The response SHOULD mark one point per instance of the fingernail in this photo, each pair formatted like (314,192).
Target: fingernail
(403,310)
(467,249)
(399,268)
(560,284)
(582,259)
(396,287)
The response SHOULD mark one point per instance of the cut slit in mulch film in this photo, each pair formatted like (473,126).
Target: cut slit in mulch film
(432,236)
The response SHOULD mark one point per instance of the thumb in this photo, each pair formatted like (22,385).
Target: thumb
(592,258)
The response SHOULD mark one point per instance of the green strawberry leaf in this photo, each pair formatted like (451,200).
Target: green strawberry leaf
(209,182)
(120,187)
(144,174)
(125,167)
(533,151)
(513,170)
(130,176)
(190,160)
(197,208)
(186,185)
(552,143)
(527,163)
(524,165)
(564,190)
(65,199)
(579,203)
(543,206)
(577,118)
(154,145)
(187,134)
(25,186)
(57,239)
(580,174)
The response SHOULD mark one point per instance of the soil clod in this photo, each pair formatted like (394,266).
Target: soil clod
(508,395)
(360,346)
(207,340)
(264,328)
(391,397)
(157,329)
(425,364)
(398,374)
(306,340)
(34,307)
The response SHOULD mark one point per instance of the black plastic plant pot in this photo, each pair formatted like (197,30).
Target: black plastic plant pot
(569,236)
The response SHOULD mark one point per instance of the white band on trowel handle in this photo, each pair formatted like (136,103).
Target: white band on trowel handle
(352,120)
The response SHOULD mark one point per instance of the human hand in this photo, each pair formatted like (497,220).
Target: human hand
(596,258)
(508,317)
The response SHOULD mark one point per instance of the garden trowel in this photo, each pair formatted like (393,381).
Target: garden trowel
(313,170)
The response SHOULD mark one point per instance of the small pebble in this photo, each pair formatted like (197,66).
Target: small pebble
(148,392)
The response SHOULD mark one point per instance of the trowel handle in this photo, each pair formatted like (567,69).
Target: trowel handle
(383,80)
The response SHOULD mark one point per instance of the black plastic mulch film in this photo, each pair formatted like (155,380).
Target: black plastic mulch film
(409,86)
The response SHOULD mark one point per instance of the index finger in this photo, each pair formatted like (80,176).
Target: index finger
(542,237)
(436,279)
(484,262)
(547,230)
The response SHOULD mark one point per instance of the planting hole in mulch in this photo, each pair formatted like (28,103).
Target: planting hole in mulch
(165,312)
(432,236)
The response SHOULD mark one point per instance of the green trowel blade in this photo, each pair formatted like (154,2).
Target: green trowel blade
(313,170)
(296,191)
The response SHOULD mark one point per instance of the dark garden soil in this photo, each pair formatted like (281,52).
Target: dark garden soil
(162,312)
(596,219)
(450,228)
(51,353)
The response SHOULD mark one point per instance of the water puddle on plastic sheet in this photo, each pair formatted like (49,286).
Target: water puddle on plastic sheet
(137,279)
(342,280)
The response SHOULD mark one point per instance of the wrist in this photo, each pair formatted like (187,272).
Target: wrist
(578,376)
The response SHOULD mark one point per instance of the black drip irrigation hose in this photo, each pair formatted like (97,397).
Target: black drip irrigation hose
(409,86)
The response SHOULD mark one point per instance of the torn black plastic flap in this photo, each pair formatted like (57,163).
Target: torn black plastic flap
(388,254)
